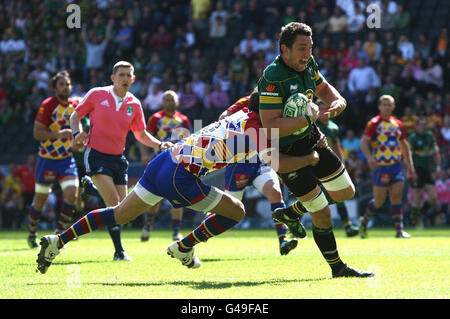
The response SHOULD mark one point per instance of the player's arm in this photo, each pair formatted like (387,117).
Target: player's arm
(80,136)
(42,132)
(149,140)
(406,153)
(272,119)
(286,163)
(271,111)
(336,147)
(364,144)
(331,97)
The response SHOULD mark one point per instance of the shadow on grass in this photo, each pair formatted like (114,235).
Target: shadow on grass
(211,284)
(63,263)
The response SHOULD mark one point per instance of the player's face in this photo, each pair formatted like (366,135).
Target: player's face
(386,108)
(298,55)
(123,78)
(421,126)
(63,88)
(169,103)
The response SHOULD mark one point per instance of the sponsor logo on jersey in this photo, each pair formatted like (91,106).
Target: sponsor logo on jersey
(105,103)
(270,87)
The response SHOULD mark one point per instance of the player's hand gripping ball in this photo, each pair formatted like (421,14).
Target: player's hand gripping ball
(299,105)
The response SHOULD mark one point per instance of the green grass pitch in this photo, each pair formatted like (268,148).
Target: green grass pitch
(239,264)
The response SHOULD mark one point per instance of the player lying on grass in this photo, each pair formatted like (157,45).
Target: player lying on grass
(175,175)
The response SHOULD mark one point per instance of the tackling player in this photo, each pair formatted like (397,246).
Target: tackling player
(167,125)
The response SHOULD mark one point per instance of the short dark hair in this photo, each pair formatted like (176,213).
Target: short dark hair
(290,31)
(122,64)
(59,75)
(253,103)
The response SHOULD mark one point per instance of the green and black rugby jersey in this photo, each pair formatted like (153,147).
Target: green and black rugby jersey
(278,82)
(423,148)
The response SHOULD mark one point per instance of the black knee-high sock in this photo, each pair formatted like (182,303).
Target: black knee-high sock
(326,242)
(115,233)
(343,213)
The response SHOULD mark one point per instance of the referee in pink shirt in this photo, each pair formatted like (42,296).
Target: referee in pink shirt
(113,112)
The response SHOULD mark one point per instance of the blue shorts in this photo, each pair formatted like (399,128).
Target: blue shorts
(240,175)
(385,176)
(49,171)
(115,166)
(168,179)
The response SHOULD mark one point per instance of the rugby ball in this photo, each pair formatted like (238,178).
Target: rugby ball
(297,105)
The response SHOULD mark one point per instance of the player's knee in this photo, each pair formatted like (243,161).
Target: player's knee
(240,210)
(340,186)
(274,195)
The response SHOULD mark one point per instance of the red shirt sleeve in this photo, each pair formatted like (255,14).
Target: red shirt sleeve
(403,135)
(239,105)
(138,122)
(86,105)
(371,127)
(187,123)
(45,110)
(152,124)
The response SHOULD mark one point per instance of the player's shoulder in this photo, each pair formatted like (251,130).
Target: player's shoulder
(181,115)
(396,120)
(157,115)
(50,101)
(134,99)
(374,120)
(275,72)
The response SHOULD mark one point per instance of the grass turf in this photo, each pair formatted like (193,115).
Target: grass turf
(240,264)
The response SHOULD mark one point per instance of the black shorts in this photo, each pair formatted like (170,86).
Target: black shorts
(304,180)
(115,166)
(424,177)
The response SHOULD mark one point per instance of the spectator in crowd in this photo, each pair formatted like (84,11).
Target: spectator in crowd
(409,120)
(433,74)
(25,175)
(402,18)
(248,41)
(189,100)
(95,46)
(320,20)
(356,22)
(238,74)
(337,21)
(263,43)
(10,198)
(198,86)
(153,100)
(362,78)
(350,143)
(161,40)
(199,10)
(422,45)
(442,45)
(406,48)
(373,47)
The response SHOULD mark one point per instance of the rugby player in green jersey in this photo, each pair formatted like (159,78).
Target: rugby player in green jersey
(425,154)
(295,71)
